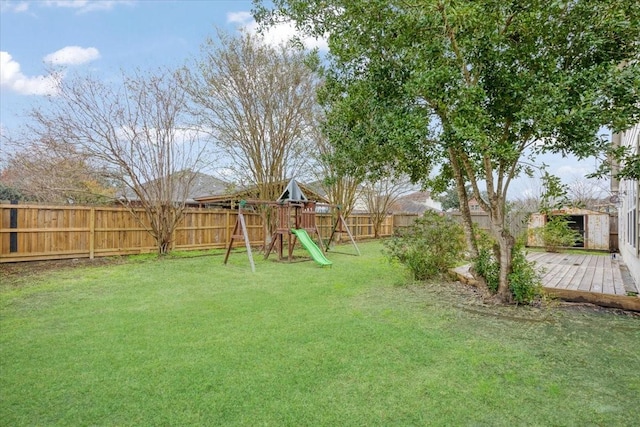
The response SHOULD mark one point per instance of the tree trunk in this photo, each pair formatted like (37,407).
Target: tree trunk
(163,219)
(163,238)
(506,242)
(376,228)
(504,255)
(467,223)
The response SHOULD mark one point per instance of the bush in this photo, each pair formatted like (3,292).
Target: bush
(557,234)
(524,280)
(429,248)
(486,264)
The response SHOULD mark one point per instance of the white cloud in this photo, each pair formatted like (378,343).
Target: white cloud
(87,5)
(13,79)
(241,18)
(16,7)
(277,34)
(72,55)
(67,3)
(573,170)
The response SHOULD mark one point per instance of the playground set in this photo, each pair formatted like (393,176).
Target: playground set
(296,221)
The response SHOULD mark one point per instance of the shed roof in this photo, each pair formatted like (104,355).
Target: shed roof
(576,211)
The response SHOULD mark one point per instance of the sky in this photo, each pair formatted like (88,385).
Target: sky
(105,37)
(102,37)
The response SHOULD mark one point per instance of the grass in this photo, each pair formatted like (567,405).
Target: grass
(188,341)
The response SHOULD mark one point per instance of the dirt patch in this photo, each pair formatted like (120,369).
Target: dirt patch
(471,300)
(14,273)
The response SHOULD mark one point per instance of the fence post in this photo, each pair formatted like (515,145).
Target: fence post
(13,223)
(174,232)
(226,229)
(92,232)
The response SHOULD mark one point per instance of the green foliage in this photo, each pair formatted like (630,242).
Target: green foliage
(486,264)
(555,193)
(524,281)
(10,193)
(429,248)
(557,233)
(450,200)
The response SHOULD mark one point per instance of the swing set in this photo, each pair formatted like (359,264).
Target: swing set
(296,221)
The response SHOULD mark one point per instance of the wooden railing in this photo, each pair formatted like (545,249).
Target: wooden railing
(42,232)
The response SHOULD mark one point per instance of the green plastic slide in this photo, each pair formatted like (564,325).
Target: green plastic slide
(311,247)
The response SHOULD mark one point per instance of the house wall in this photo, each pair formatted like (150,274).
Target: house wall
(629,210)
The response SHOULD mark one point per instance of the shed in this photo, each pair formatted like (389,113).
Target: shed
(593,226)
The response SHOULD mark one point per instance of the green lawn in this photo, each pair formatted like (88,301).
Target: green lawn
(188,341)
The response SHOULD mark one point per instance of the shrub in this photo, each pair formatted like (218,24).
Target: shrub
(524,281)
(557,234)
(486,264)
(429,248)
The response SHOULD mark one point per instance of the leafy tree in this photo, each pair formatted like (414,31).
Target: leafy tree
(483,84)
(135,131)
(450,200)
(557,231)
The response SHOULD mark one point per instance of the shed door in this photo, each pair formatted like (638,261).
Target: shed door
(597,235)
(536,221)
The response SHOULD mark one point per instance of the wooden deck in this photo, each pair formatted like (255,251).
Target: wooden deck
(593,278)
(597,273)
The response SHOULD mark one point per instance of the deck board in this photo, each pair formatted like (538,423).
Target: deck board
(618,284)
(576,278)
(598,275)
(552,271)
(587,279)
(607,285)
(559,280)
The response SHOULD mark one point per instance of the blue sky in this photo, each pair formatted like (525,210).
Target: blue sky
(99,36)
(105,36)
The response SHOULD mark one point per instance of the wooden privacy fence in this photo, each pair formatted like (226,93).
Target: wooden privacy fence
(516,222)
(35,232)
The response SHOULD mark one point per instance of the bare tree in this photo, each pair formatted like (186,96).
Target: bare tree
(256,101)
(580,192)
(53,172)
(135,131)
(380,195)
(587,193)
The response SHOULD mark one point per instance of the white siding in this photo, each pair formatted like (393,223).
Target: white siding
(628,212)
